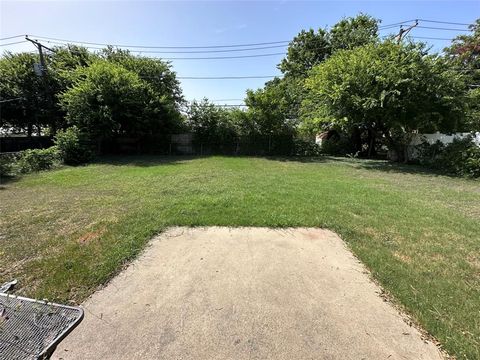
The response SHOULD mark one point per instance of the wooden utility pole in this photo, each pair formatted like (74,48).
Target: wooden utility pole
(40,48)
(404,32)
(42,71)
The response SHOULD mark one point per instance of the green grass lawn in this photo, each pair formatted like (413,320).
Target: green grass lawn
(64,232)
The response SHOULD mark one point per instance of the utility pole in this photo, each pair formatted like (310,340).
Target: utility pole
(404,32)
(40,47)
(41,70)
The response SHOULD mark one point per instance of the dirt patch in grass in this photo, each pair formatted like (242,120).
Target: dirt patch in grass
(402,257)
(90,236)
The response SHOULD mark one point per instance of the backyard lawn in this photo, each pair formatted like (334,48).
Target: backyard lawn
(65,232)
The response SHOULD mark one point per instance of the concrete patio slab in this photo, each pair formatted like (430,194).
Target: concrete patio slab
(244,293)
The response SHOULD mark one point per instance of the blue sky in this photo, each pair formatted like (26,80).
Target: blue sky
(201,23)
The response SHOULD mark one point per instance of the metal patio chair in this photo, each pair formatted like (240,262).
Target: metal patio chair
(31,329)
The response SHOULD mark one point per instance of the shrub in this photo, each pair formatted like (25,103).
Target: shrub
(38,159)
(460,157)
(7,162)
(306,148)
(428,154)
(72,147)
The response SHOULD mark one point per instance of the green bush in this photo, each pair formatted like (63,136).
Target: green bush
(461,157)
(38,159)
(306,148)
(7,162)
(72,147)
(428,154)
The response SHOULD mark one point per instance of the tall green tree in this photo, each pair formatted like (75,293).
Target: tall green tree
(393,89)
(464,53)
(270,109)
(212,125)
(310,48)
(306,50)
(355,31)
(20,82)
(107,100)
(157,73)
(38,107)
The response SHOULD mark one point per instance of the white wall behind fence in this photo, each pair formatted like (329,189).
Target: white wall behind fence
(444,138)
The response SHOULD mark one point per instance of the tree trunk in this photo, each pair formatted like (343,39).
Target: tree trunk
(29,129)
(371,142)
(397,149)
(357,139)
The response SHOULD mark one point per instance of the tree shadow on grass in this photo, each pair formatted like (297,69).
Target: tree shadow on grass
(144,160)
(400,168)
(369,164)
(7,179)
(299,159)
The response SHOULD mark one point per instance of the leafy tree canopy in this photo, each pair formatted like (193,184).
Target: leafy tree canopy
(155,72)
(354,31)
(464,54)
(20,82)
(306,50)
(392,88)
(310,48)
(269,108)
(107,100)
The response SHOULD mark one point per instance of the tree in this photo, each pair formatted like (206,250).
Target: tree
(64,60)
(306,50)
(20,82)
(107,100)
(310,48)
(38,103)
(269,108)
(388,88)
(157,73)
(464,53)
(353,32)
(62,63)
(213,127)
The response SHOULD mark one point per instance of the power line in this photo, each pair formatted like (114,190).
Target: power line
(51,39)
(441,28)
(11,37)
(221,57)
(164,47)
(429,38)
(176,51)
(444,22)
(225,77)
(13,43)
(382,27)
(388,26)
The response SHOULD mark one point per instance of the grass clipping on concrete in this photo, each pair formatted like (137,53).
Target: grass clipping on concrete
(65,232)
